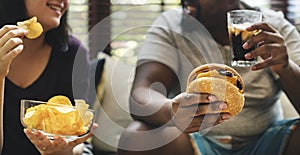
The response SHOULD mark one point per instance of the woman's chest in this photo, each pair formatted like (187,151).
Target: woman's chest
(26,69)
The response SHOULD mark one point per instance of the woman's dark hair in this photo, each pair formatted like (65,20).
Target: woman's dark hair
(12,11)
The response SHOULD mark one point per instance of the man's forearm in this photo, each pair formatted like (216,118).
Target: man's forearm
(290,81)
(149,106)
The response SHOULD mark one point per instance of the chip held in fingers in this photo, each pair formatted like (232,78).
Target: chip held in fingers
(33,27)
(220,80)
(59,116)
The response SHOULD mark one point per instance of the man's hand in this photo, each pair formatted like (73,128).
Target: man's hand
(194,112)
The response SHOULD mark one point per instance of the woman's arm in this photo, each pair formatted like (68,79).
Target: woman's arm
(1,111)
(11,45)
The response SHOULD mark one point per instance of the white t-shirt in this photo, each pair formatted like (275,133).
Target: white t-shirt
(182,43)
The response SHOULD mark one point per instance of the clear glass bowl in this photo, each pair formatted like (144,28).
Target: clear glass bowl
(70,122)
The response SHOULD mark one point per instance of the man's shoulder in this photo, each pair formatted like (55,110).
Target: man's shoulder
(172,12)
(269,13)
(171,16)
(169,20)
(275,18)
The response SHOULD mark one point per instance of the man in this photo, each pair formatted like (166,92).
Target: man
(181,40)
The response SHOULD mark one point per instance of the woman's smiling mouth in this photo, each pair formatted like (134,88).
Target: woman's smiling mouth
(55,7)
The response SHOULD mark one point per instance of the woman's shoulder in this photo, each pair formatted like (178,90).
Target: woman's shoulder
(74,41)
(75,44)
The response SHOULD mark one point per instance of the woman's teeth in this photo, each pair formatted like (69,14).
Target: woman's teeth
(54,7)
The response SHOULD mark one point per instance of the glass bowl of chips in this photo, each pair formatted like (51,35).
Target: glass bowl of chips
(51,118)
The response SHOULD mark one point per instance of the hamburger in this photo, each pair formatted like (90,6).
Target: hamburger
(222,81)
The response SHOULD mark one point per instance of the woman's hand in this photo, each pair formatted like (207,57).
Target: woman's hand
(11,45)
(58,146)
(194,112)
(271,48)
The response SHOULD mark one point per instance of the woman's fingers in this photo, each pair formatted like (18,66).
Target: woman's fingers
(38,139)
(13,48)
(7,28)
(8,32)
(11,43)
(83,139)
(58,144)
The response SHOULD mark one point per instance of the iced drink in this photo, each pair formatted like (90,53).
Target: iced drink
(238,21)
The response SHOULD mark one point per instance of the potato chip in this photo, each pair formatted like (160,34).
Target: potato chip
(33,27)
(34,116)
(67,123)
(82,108)
(60,99)
(58,116)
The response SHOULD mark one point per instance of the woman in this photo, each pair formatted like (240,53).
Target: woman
(169,120)
(38,69)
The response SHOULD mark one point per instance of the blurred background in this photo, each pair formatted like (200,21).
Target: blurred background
(122,24)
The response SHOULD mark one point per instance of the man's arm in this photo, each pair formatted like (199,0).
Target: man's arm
(148,101)
(290,82)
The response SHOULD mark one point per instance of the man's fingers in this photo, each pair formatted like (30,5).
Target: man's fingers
(210,108)
(261,26)
(191,99)
(206,121)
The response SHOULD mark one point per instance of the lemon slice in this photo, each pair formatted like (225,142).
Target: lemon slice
(246,35)
(33,27)
(60,99)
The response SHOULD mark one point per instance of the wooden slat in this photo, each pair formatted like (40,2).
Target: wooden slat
(99,11)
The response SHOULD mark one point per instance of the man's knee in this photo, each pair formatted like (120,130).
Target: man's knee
(131,135)
(142,138)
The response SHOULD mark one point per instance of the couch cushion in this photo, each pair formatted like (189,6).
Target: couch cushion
(113,116)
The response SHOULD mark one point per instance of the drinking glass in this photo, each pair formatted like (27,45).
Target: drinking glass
(238,21)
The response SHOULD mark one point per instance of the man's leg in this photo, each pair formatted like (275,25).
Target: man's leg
(142,139)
